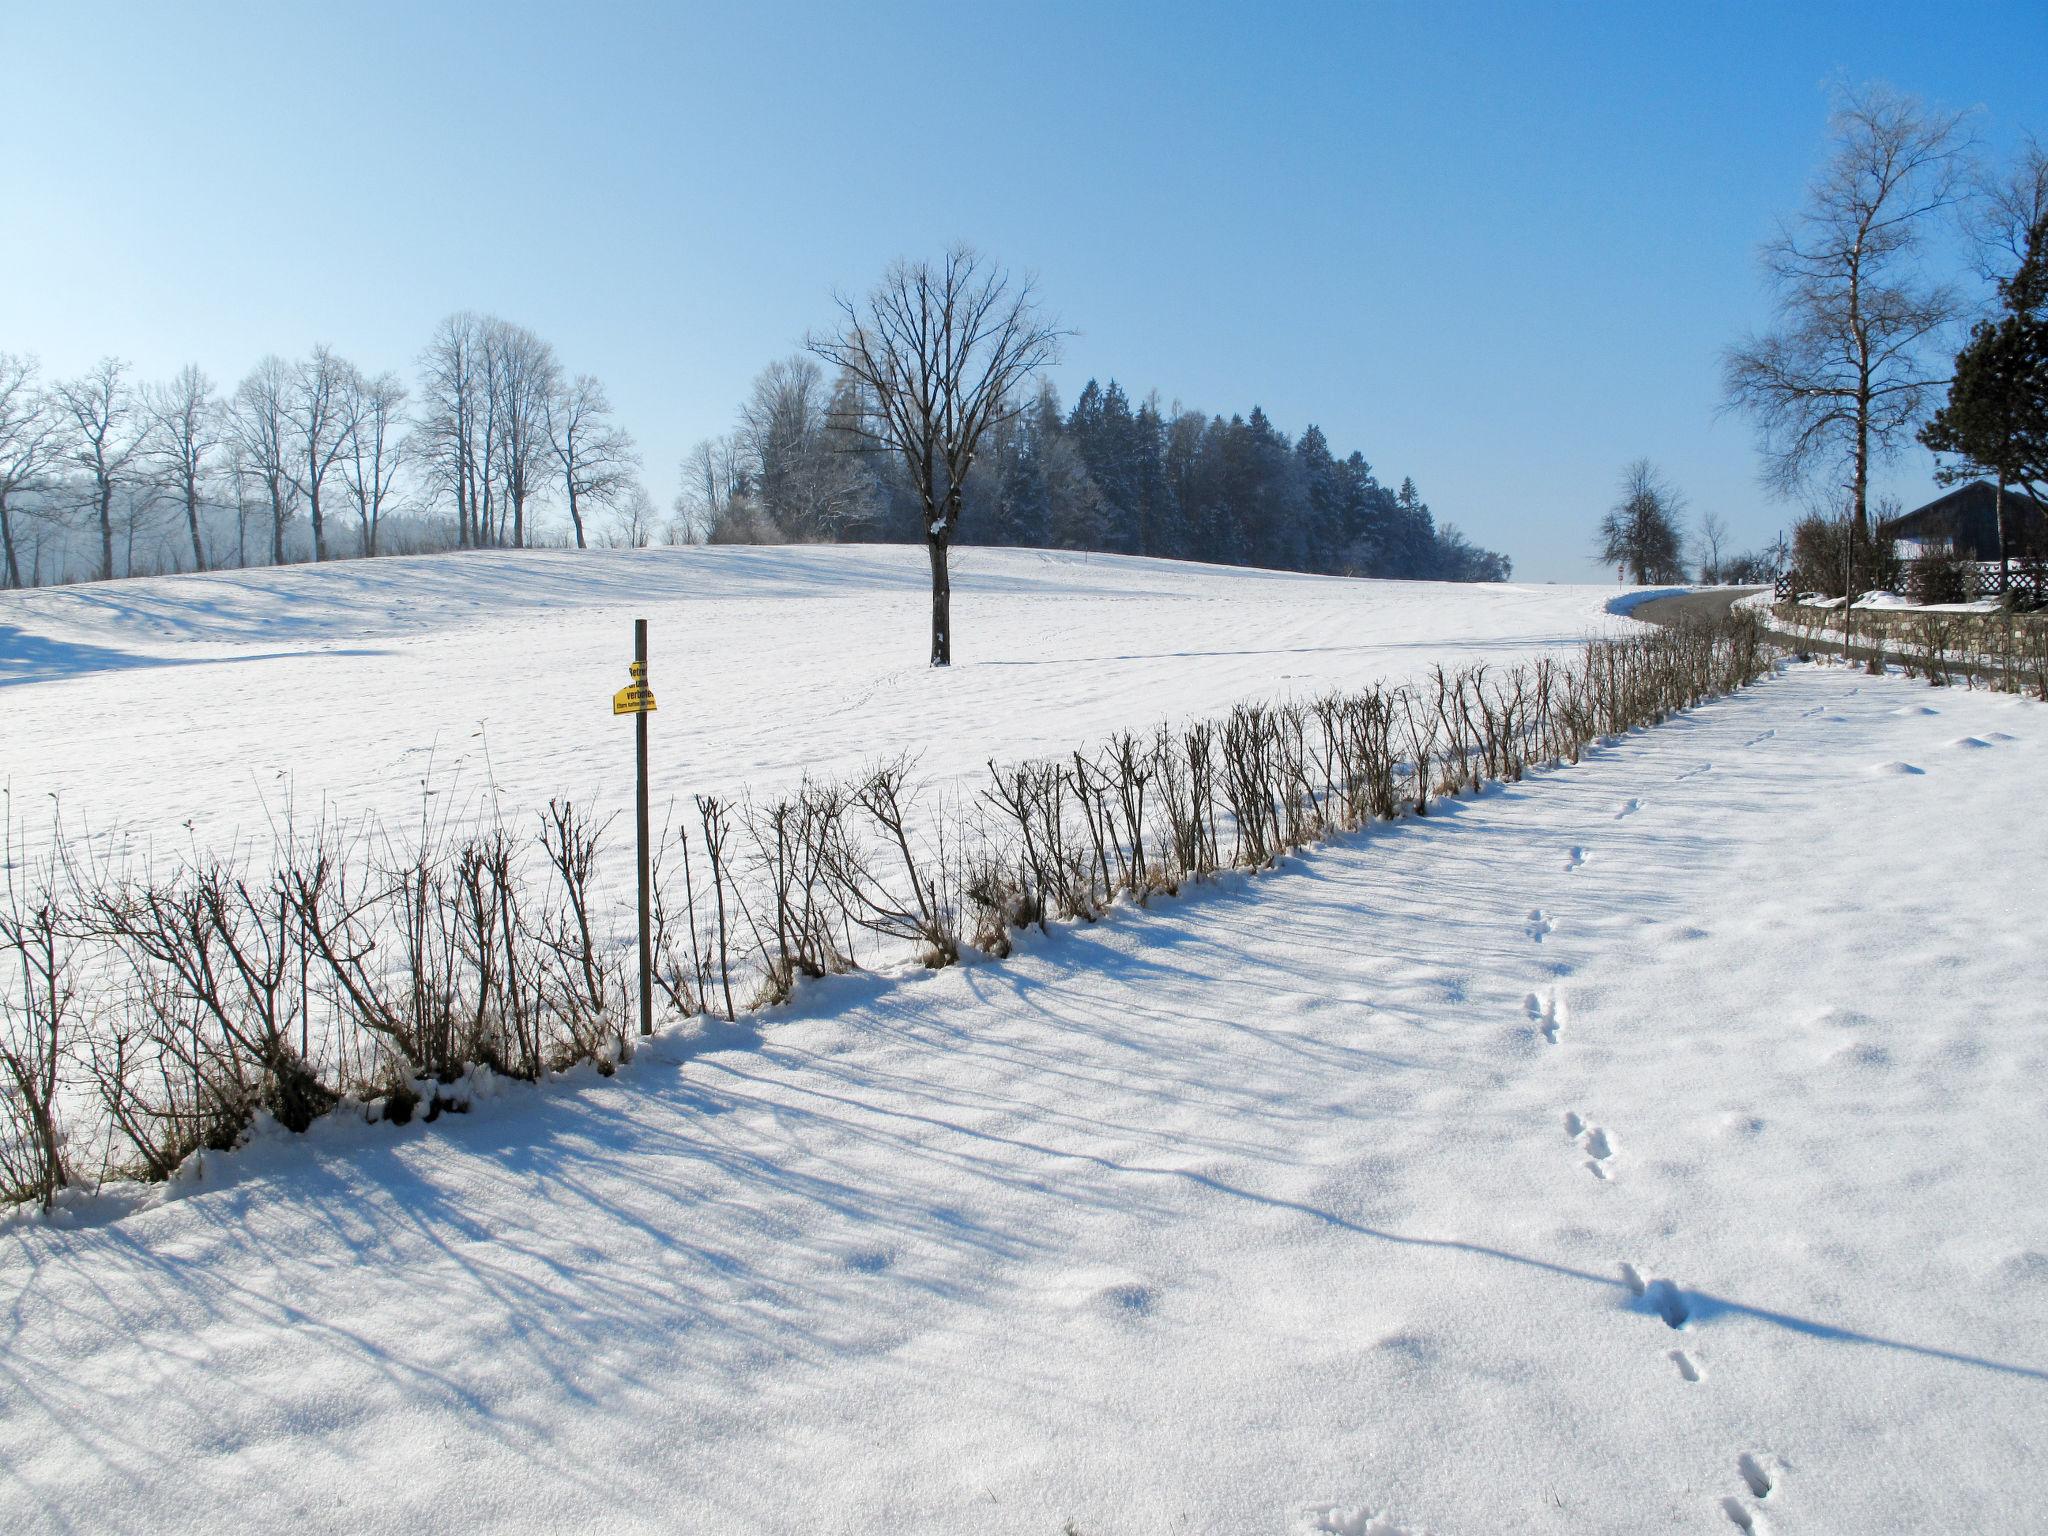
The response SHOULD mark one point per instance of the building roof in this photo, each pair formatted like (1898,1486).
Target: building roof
(1967,518)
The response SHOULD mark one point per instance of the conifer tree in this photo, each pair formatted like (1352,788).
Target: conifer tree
(1995,421)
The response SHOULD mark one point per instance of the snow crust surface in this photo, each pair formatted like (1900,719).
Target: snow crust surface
(1655,1145)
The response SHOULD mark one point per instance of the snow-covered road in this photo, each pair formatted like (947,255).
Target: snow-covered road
(1654,1146)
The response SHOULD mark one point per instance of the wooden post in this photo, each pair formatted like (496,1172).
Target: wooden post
(646,881)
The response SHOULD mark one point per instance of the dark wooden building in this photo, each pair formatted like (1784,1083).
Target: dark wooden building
(1965,521)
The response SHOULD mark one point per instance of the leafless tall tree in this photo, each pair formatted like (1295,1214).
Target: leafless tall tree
(711,482)
(1713,539)
(317,402)
(244,482)
(594,457)
(805,488)
(945,349)
(374,416)
(104,432)
(261,423)
(633,516)
(524,377)
(450,440)
(1851,369)
(1640,532)
(2006,204)
(28,445)
(187,426)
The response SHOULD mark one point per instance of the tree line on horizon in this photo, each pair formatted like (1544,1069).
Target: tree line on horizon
(316,458)
(1103,476)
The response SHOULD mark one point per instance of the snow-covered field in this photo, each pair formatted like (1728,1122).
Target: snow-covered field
(1656,1145)
(190,708)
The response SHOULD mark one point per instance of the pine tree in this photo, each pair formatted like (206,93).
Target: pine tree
(1996,418)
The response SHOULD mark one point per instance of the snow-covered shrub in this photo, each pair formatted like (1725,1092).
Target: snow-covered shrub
(365,966)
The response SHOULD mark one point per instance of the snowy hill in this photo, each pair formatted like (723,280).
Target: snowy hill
(189,707)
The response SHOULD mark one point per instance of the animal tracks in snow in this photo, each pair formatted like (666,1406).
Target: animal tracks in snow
(1539,926)
(1574,857)
(1662,1298)
(1547,1015)
(1754,1475)
(1758,1480)
(1635,804)
(1598,1142)
(1688,1368)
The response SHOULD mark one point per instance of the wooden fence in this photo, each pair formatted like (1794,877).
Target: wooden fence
(1951,581)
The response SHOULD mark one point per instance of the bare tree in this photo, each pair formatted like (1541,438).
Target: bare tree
(944,349)
(1641,530)
(524,378)
(261,424)
(104,432)
(711,482)
(244,481)
(1713,539)
(2005,206)
(632,519)
(1846,376)
(593,455)
(451,440)
(187,424)
(28,445)
(374,413)
(804,486)
(317,403)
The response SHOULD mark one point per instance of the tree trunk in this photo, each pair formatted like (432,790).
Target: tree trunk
(1998,519)
(576,517)
(192,521)
(7,546)
(276,527)
(106,530)
(942,603)
(319,532)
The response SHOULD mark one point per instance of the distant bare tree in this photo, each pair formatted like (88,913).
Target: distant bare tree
(451,441)
(944,349)
(261,423)
(524,378)
(786,434)
(104,432)
(1641,530)
(711,482)
(317,403)
(243,481)
(28,445)
(374,415)
(1713,539)
(187,426)
(594,457)
(633,516)
(1846,377)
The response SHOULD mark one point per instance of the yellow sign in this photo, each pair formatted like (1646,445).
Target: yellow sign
(636,698)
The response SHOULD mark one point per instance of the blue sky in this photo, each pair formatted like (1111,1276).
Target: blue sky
(1497,249)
